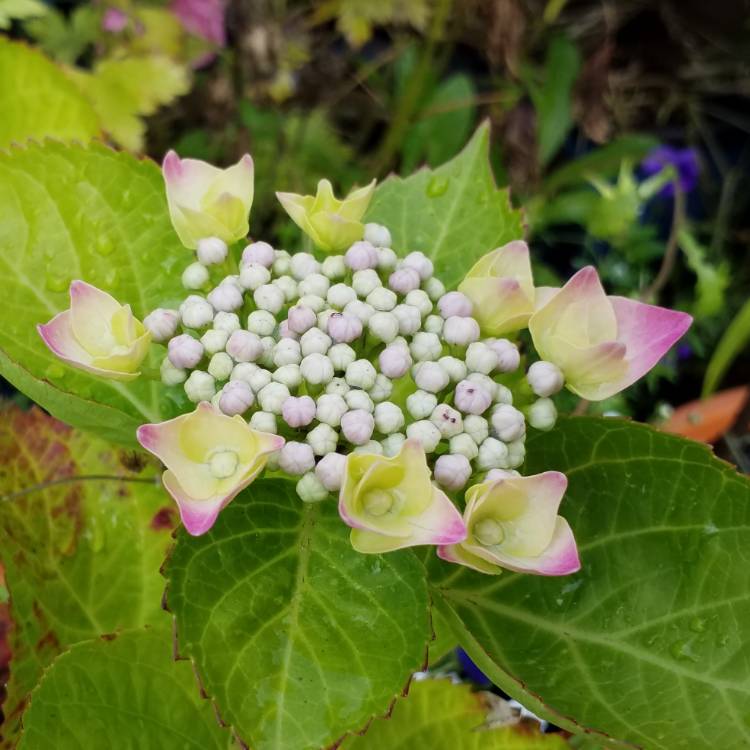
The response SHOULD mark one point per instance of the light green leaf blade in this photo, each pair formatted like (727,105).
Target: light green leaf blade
(295,636)
(735,339)
(649,643)
(81,558)
(19,10)
(441,715)
(454,214)
(38,100)
(125,691)
(70,212)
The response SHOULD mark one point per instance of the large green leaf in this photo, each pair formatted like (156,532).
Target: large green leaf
(454,214)
(91,213)
(297,637)
(650,642)
(82,557)
(125,691)
(38,100)
(442,715)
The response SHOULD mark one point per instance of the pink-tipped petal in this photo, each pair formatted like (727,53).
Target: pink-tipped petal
(198,516)
(458,554)
(441,523)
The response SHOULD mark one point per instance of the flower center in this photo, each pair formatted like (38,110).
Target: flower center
(488,532)
(223,464)
(377,502)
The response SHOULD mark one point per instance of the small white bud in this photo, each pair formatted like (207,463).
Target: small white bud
(426,347)
(371,446)
(388,418)
(447,420)
(392,444)
(360,374)
(387,259)
(226,321)
(339,295)
(315,284)
(211,250)
(258,252)
(214,341)
(269,297)
(366,281)
(254,276)
(382,299)
(357,426)
(476,427)
(334,267)
(261,322)
(384,326)
(433,324)
(322,439)
(503,394)
(487,383)
(314,302)
(358,399)
(184,351)
(244,346)
(545,378)
(195,276)
(236,398)
(310,489)
(395,360)
(285,332)
(480,358)
(361,255)
(330,470)
(360,310)
(382,389)
(409,319)
(314,341)
(303,265)
(420,263)
(508,356)
(452,471)
(289,375)
(200,386)
(283,263)
(287,352)
(269,344)
(344,328)
(420,300)
(329,409)
(424,432)
(243,371)
(455,368)
(316,369)
(171,375)
(508,423)
(461,331)
(542,414)
(377,235)
(338,386)
(421,404)
(288,287)
(220,366)
(493,454)
(298,411)
(263,421)
(196,313)
(435,288)
(258,379)
(323,318)
(404,280)
(341,356)
(296,458)
(430,376)
(462,444)
(516,453)
(272,396)
(162,324)
(455,303)
(494,475)
(472,397)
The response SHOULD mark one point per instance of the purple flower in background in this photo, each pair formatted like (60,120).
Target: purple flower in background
(684,160)
(470,669)
(204,18)
(114,20)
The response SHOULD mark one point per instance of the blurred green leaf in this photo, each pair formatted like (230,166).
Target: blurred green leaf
(20,10)
(713,280)
(731,344)
(65,39)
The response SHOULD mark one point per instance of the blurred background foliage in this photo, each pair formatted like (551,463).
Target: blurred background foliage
(623,129)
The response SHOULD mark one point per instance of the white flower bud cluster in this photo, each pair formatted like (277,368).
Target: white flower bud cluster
(355,353)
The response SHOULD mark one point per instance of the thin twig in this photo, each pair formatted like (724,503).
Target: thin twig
(72,480)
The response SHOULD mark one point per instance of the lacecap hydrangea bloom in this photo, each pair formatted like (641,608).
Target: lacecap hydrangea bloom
(354,371)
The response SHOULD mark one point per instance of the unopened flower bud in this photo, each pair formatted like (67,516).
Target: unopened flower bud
(272,396)
(263,421)
(184,351)
(316,369)
(211,250)
(435,288)
(322,439)
(296,458)
(341,356)
(314,341)
(430,376)
(393,443)
(508,423)
(476,427)
(503,394)
(360,374)
(516,453)
(461,331)
(425,433)
(377,235)
(455,368)
(298,411)
(420,263)
(330,470)
(226,321)
(542,414)
(357,426)
(462,444)
(508,356)
(452,471)
(455,304)
(301,319)
(404,280)
(195,276)
(419,299)
(288,287)
(388,418)
(480,358)
(287,333)
(382,299)
(344,328)
(447,420)
(395,360)
(310,489)
(225,298)
(486,382)
(253,276)
(358,399)
(289,375)
(433,324)
(421,404)
(340,295)
(364,282)
(303,265)
(214,340)
(257,380)
(409,319)
(200,386)
(315,284)
(196,313)
(258,252)
(383,326)
(360,310)
(471,398)
(361,255)
(323,318)
(287,352)
(382,389)
(333,267)
(426,347)
(220,366)
(371,446)
(162,324)
(236,398)
(330,408)
(338,386)
(269,345)
(493,454)
(494,475)
(387,259)
(269,297)
(261,322)
(545,378)
(171,375)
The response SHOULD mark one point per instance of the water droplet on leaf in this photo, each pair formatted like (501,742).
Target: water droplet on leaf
(437,186)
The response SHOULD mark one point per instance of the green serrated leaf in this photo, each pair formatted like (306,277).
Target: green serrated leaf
(649,643)
(454,214)
(81,558)
(295,636)
(441,715)
(38,100)
(125,691)
(71,212)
